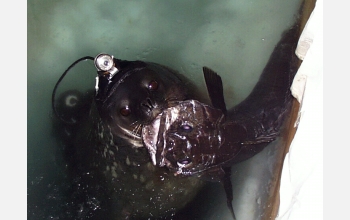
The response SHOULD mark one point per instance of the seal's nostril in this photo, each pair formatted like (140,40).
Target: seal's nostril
(148,104)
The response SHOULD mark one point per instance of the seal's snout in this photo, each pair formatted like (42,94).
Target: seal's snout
(152,108)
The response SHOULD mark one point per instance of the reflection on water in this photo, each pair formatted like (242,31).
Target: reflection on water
(233,38)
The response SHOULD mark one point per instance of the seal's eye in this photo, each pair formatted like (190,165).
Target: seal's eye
(125,111)
(183,162)
(153,85)
(186,128)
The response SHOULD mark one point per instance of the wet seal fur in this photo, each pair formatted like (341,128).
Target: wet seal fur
(195,139)
(112,174)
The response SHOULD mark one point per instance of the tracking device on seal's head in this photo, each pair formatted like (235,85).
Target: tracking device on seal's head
(106,69)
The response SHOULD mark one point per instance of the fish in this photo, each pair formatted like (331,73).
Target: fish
(110,170)
(197,139)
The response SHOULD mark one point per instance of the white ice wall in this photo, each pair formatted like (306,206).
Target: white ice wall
(302,176)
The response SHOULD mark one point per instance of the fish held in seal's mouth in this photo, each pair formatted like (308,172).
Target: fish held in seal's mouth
(195,139)
(190,129)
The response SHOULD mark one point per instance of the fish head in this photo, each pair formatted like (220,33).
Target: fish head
(136,95)
(185,138)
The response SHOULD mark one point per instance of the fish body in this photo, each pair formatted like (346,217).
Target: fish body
(111,173)
(195,130)
(196,139)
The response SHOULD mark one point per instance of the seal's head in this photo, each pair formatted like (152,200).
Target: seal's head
(137,93)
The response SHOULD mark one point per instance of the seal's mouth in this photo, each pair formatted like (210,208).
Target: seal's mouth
(150,137)
(132,134)
(154,135)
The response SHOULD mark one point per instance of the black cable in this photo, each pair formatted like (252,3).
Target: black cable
(59,81)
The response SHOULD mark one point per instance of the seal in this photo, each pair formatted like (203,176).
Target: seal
(196,139)
(138,93)
(111,173)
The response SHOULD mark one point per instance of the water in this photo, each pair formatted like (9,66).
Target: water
(234,38)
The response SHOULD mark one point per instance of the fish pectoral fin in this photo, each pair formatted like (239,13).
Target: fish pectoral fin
(215,89)
(222,175)
(226,181)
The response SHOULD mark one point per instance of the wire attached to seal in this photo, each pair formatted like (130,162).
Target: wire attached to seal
(105,66)
(59,81)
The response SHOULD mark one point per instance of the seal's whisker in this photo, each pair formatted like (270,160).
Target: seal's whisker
(137,129)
